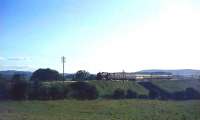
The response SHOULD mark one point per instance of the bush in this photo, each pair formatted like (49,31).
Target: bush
(3,88)
(180,95)
(119,94)
(57,91)
(44,92)
(19,87)
(34,90)
(191,93)
(153,94)
(82,91)
(131,94)
(143,97)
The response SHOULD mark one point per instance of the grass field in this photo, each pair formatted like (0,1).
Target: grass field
(100,110)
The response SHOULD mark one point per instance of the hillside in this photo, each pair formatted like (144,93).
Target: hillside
(107,87)
(182,72)
(177,85)
(9,73)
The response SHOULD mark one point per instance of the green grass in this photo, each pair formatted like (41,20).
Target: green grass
(107,87)
(100,110)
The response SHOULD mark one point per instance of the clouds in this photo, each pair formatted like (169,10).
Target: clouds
(17,67)
(15,58)
(16,63)
(2,58)
(19,58)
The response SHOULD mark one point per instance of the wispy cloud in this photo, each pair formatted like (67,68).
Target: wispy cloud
(2,58)
(15,58)
(17,67)
(18,58)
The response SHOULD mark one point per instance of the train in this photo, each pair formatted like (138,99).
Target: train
(133,76)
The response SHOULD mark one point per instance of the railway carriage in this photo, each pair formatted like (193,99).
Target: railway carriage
(132,76)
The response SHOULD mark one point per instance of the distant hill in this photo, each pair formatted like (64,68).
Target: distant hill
(27,74)
(180,72)
(9,73)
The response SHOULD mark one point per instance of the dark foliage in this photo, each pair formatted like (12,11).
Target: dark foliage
(153,94)
(131,94)
(179,95)
(45,75)
(34,90)
(191,93)
(3,88)
(99,76)
(143,97)
(91,77)
(119,94)
(82,91)
(58,91)
(81,75)
(19,87)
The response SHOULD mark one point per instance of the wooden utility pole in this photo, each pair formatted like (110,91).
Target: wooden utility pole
(124,77)
(63,63)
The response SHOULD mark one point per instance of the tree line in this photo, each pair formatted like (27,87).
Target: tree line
(44,84)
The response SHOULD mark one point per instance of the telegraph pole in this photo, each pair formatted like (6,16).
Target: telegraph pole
(124,77)
(63,63)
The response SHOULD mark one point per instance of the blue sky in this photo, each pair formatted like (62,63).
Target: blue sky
(98,35)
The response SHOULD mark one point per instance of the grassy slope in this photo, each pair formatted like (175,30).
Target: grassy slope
(174,86)
(100,110)
(107,87)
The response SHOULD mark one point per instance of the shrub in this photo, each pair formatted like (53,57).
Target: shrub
(143,97)
(82,91)
(153,94)
(131,94)
(57,91)
(180,95)
(19,88)
(44,92)
(191,93)
(3,88)
(34,90)
(119,94)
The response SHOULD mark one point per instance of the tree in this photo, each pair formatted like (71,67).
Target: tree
(19,87)
(45,75)
(119,94)
(99,76)
(82,91)
(82,75)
